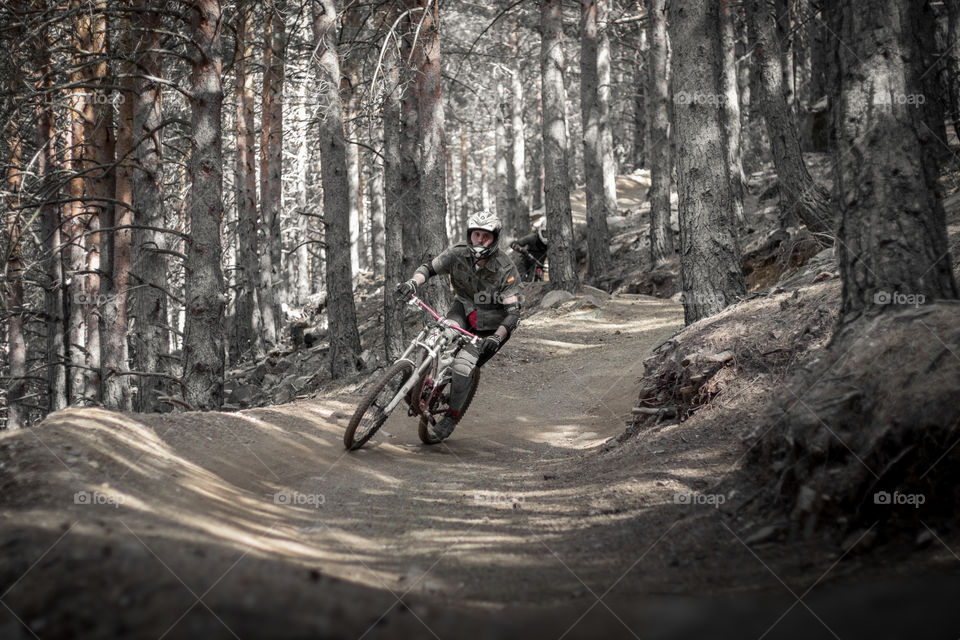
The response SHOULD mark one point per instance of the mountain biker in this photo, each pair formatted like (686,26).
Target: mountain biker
(532,249)
(487,288)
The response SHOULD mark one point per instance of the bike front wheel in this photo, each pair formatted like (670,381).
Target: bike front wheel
(370,415)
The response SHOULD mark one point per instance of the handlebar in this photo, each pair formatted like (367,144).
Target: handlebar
(415,301)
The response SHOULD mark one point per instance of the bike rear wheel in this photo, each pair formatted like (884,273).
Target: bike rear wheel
(424,430)
(369,416)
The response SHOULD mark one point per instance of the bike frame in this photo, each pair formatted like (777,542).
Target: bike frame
(433,341)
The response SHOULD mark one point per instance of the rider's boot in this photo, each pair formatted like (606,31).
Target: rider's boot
(443,429)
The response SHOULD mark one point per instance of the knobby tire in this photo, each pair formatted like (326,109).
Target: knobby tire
(369,416)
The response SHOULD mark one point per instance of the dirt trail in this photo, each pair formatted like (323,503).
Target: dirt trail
(481,519)
(258,524)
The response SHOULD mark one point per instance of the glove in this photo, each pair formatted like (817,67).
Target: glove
(516,246)
(406,289)
(490,345)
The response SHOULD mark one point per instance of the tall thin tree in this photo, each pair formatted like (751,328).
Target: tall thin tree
(595,109)
(800,196)
(344,337)
(393,334)
(245,184)
(116,244)
(203,340)
(149,271)
(661,168)
(557,181)
(433,179)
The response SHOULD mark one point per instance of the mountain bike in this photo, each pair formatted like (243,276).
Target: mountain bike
(421,378)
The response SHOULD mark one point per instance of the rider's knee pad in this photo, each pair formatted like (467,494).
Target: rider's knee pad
(464,363)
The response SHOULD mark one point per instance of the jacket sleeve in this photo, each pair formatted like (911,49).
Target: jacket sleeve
(511,299)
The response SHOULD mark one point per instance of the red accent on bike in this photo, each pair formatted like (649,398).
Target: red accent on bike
(436,316)
(472,319)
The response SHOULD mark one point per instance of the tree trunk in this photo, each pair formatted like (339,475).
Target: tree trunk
(151,337)
(351,26)
(73,264)
(271,151)
(608,160)
(410,158)
(13,280)
(117,393)
(433,194)
(248,312)
(375,189)
(501,180)
(353,190)
(661,168)
(484,174)
(99,187)
(926,65)
(56,376)
(709,257)
(641,73)
(517,173)
(800,196)
(892,233)
(304,222)
(464,181)
(953,62)
(344,338)
(203,351)
(803,55)
(598,203)
(560,252)
(393,186)
(783,14)
(730,114)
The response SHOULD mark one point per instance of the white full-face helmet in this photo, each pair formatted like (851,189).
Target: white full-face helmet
(542,230)
(485,221)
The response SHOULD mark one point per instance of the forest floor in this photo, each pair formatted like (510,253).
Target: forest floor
(536,519)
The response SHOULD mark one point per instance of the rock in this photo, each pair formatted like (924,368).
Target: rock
(291,381)
(284,395)
(281,366)
(555,298)
(593,292)
(245,395)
